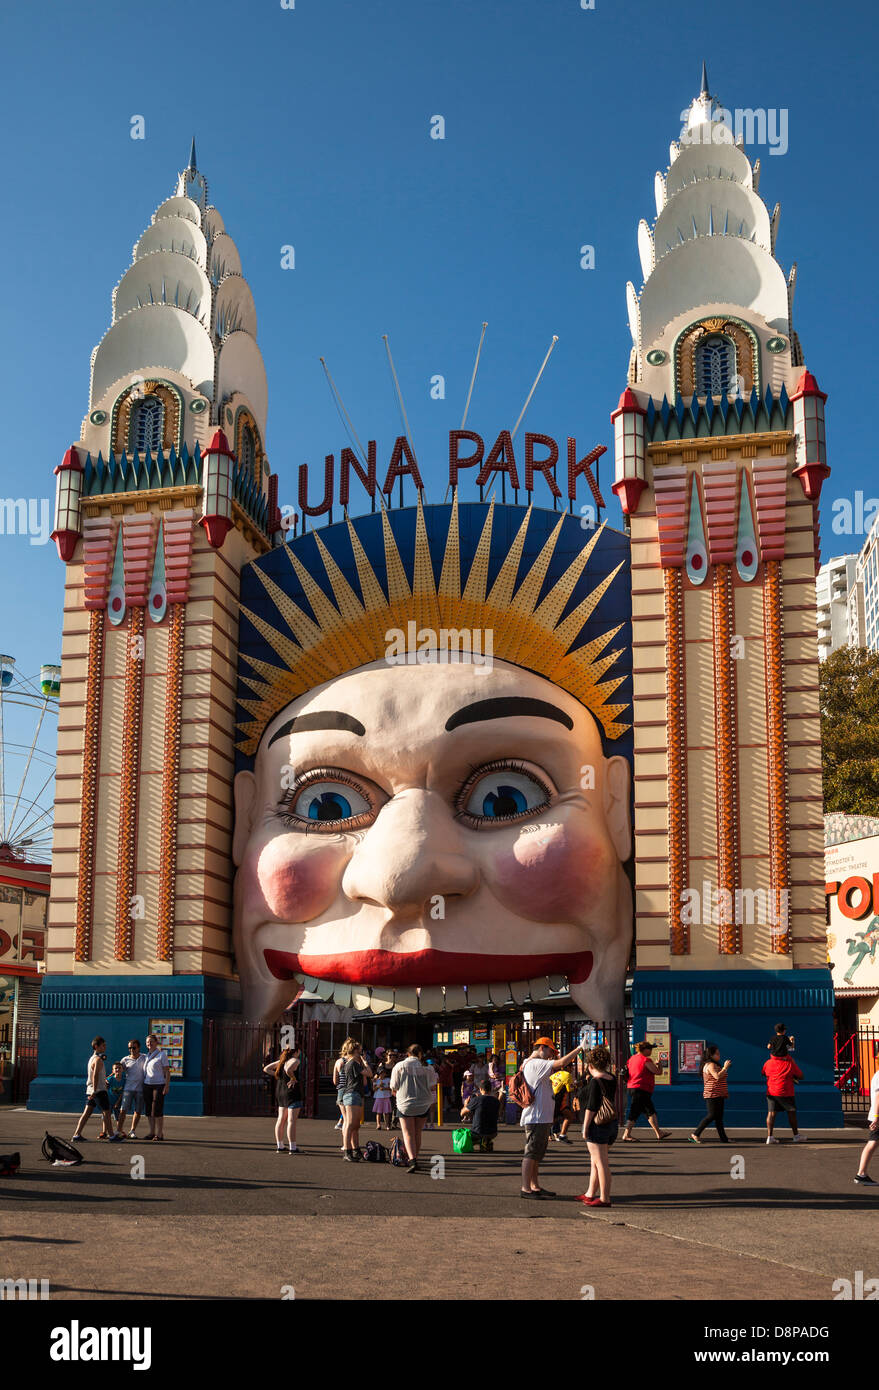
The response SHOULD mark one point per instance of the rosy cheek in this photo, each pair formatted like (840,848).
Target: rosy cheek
(298,881)
(553,873)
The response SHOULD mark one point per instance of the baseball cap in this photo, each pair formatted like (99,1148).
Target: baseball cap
(546,1042)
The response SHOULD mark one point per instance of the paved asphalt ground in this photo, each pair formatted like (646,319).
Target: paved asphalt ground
(219,1214)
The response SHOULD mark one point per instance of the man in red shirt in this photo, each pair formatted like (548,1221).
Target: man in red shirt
(781,1073)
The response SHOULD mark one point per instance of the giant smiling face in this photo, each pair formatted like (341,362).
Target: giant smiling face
(409,826)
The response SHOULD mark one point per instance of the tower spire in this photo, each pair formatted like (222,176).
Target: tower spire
(192,164)
(704,92)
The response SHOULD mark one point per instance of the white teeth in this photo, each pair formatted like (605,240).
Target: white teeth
(431,999)
(519,991)
(324,989)
(500,994)
(342,996)
(557,982)
(538,987)
(406,1001)
(478,994)
(381,1003)
(361,999)
(309,983)
(456,997)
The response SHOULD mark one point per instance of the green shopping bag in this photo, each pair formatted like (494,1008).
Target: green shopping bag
(462,1141)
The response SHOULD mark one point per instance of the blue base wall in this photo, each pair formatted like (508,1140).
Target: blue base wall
(738,1010)
(76,1008)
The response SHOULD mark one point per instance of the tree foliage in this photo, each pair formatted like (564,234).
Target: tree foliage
(849,697)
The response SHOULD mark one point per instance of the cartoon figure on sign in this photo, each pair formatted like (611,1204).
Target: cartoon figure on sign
(377,790)
(862,945)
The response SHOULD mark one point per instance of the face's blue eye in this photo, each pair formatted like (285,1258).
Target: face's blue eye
(501,795)
(326,801)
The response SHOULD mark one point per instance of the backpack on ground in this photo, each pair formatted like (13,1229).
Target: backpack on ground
(59,1153)
(520,1093)
(375,1152)
(9,1165)
(399,1156)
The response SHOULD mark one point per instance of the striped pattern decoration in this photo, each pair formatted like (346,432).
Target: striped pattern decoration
(138,546)
(770,491)
(132,718)
(91,743)
(721,505)
(728,867)
(679,932)
(177,528)
(98,547)
(779,860)
(171,784)
(670,492)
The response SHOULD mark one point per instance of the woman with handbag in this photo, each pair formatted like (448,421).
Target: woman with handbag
(600,1125)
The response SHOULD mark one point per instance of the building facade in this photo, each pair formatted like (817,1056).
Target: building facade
(682,652)
(834,588)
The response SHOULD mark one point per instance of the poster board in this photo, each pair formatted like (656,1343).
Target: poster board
(661,1056)
(851,872)
(169,1032)
(690,1056)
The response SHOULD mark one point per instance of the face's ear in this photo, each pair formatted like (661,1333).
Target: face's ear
(617,808)
(245,808)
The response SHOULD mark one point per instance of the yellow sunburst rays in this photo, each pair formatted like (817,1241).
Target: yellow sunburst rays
(346,632)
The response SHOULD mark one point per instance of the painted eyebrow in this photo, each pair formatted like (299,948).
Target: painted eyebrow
(505,708)
(323,719)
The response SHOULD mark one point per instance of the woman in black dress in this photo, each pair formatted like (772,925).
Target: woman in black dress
(600,1090)
(288,1096)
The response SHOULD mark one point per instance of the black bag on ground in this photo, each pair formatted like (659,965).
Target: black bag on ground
(9,1165)
(59,1152)
(375,1152)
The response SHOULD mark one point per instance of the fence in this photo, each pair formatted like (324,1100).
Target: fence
(232,1066)
(26,1046)
(856,1058)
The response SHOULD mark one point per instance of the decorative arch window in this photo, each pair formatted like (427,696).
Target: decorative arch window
(147,425)
(716,357)
(147,416)
(247,452)
(715,366)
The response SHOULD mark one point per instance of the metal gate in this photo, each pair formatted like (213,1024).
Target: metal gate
(234,1056)
(566,1034)
(856,1058)
(17,1079)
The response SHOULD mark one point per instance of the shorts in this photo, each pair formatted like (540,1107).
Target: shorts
(131,1100)
(536,1141)
(99,1098)
(351,1098)
(603,1134)
(154,1098)
(786,1103)
(640,1103)
(414,1114)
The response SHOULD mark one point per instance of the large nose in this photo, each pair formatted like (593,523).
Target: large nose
(411,855)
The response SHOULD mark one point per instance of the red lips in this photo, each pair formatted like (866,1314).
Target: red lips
(399,968)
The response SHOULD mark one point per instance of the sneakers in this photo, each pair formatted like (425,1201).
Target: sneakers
(563,1139)
(348,1157)
(294,1149)
(412,1167)
(772,1140)
(556,1138)
(116,1138)
(865,1180)
(800,1138)
(338,1126)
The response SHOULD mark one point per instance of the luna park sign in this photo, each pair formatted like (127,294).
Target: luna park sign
(467,451)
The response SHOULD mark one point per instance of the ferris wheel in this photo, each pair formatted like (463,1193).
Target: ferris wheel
(28,738)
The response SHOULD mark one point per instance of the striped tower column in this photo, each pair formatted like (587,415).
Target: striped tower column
(177,538)
(770,492)
(670,490)
(719,480)
(99,535)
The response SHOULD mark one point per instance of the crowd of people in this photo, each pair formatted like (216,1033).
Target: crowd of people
(548,1091)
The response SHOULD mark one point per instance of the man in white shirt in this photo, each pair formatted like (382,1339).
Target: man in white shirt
(538,1116)
(132,1091)
(871,1144)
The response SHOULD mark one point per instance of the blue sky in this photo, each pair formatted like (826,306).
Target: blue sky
(313,129)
